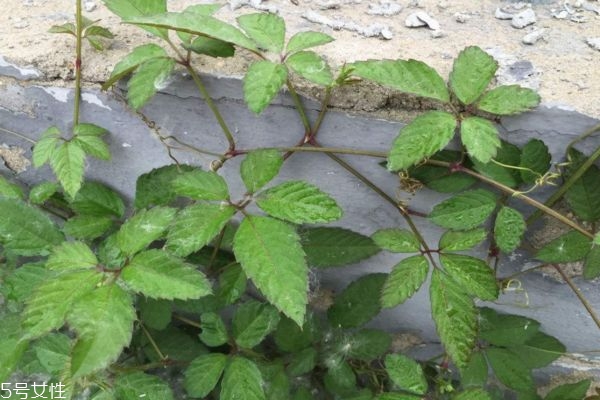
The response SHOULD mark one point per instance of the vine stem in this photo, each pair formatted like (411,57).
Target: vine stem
(319,149)
(18,135)
(579,295)
(79,34)
(188,321)
(308,131)
(153,343)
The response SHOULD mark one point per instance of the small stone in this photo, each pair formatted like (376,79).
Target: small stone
(532,37)
(523,19)
(421,18)
(385,8)
(461,18)
(501,14)
(89,6)
(413,21)
(437,34)
(20,23)
(563,14)
(594,43)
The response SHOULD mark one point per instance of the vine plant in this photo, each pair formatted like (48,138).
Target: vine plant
(193,282)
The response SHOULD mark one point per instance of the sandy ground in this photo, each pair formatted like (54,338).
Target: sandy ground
(561,65)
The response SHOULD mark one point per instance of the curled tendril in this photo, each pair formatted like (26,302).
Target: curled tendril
(515,285)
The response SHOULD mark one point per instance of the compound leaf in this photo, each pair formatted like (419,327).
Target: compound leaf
(201,185)
(480,137)
(508,154)
(536,157)
(473,274)
(214,331)
(509,369)
(509,229)
(133,60)
(68,163)
(471,74)
(508,99)
(252,322)
(260,167)
(404,280)
(202,375)
(572,246)
(154,188)
(242,380)
(506,329)
(150,77)
(143,228)
(262,82)
(127,9)
(397,240)
(310,66)
(357,304)
(305,40)
(267,30)
(87,226)
(406,373)
(45,146)
(211,47)
(333,247)
(462,240)
(71,255)
(464,211)
(98,200)
(137,385)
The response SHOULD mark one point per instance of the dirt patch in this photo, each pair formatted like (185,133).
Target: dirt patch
(14,158)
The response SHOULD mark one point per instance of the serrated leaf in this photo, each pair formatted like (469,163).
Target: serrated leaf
(572,246)
(299,202)
(409,76)
(252,322)
(473,274)
(509,229)
(267,30)
(159,275)
(472,394)
(262,82)
(583,196)
(506,329)
(154,188)
(311,66)
(202,375)
(406,373)
(68,28)
(471,73)
(508,154)
(333,247)
(369,344)
(45,146)
(358,303)
(424,136)
(12,345)
(232,284)
(138,385)
(397,240)
(127,9)
(71,255)
(539,350)
(195,226)
(42,192)
(214,331)
(155,314)
(25,230)
(291,337)
(242,380)
(94,146)
(480,137)
(591,267)
(68,163)
(96,199)
(455,317)
(271,256)
(143,228)
(475,373)
(87,226)
(10,190)
(509,369)
(260,167)
(151,76)
(569,391)
(508,99)
(464,211)
(534,156)
(201,185)
(303,362)
(211,47)
(305,40)
(462,240)
(53,352)
(134,59)
(404,280)
(24,280)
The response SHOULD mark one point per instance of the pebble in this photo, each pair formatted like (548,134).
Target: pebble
(89,6)
(461,17)
(385,8)
(501,14)
(437,34)
(594,43)
(421,18)
(532,37)
(523,19)
(20,23)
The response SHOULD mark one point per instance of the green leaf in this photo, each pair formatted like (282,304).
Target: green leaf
(93,145)
(87,226)
(203,373)
(455,317)
(410,76)
(358,303)
(271,256)
(25,230)
(464,211)
(306,40)
(506,329)
(143,228)
(591,267)
(242,380)
(252,322)
(340,380)
(424,136)
(475,373)
(42,192)
(397,240)
(472,394)
(333,247)
(24,280)
(584,195)
(133,60)
(53,352)
(480,137)
(508,154)
(127,9)
(277,383)
(137,385)
(260,167)
(155,314)
(509,99)
(201,185)
(262,82)
(509,369)
(179,345)
(72,255)
(442,179)
(311,66)
(68,28)
(471,74)
(214,331)
(369,344)
(150,76)
(10,190)
(406,373)
(569,391)
(158,275)
(103,320)
(303,362)
(291,337)
(572,246)
(473,274)
(68,163)
(45,146)
(196,225)
(267,30)
(534,156)
(98,31)
(154,188)
(96,199)
(539,350)
(232,284)
(509,229)
(404,280)
(299,202)
(462,240)
(211,47)
(12,345)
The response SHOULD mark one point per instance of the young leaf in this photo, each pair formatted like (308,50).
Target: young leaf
(584,195)
(214,331)
(93,145)
(158,275)
(71,255)
(42,192)
(10,190)
(572,246)
(472,394)
(311,66)
(464,211)
(424,136)
(539,350)
(569,391)
(195,226)
(68,28)
(270,254)
(506,329)
(143,228)
(201,185)
(260,167)
(358,303)
(127,9)
(333,247)
(211,47)
(103,320)
(242,380)
(473,274)
(98,200)
(154,188)
(462,240)
(369,344)
(406,373)
(480,137)
(202,375)
(87,226)
(68,163)
(397,240)
(509,369)
(591,267)
(509,99)
(149,77)
(306,40)
(508,154)
(299,202)
(133,60)
(99,32)
(253,321)
(472,72)
(267,30)
(410,76)
(455,317)
(534,156)
(509,229)
(45,146)
(404,280)
(137,385)
(262,82)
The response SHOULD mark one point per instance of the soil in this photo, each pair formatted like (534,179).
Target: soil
(561,65)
